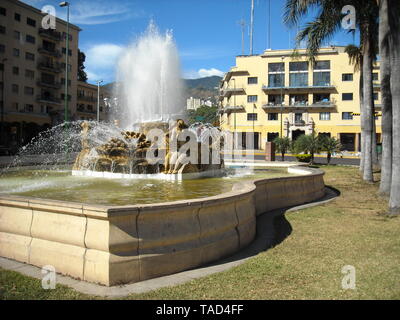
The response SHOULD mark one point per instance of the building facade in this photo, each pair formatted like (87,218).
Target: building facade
(86,105)
(32,63)
(280,93)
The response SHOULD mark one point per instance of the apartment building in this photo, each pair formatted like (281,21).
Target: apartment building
(280,93)
(86,107)
(32,64)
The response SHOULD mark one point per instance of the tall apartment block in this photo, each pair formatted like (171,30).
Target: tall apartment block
(32,66)
(280,93)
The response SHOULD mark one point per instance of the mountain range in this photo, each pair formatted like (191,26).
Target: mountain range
(202,88)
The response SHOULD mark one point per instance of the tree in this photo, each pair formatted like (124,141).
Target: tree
(325,25)
(282,145)
(203,114)
(387,125)
(82,76)
(330,145)
(309,144)
(394,49)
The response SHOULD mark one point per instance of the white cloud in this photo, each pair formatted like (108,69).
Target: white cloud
(94,12)
(101,60)
(201,73)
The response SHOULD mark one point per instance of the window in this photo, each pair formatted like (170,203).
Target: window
(375,76)
(2,29)
(252,117)
(322,74)
(17,35)
(376,96)
(29,74)
(347,115)
(252,80)
(30,39)
(1,66)
(31,22)
(322,65)
(15,70)
(251,99)
(347,77)
(298,74)
(17,17)
(2,48)
(63,82)
(64,50)
(272,116)
(64,36)
(347,96)
(28,91)
(29,108)
(14,88)
(3,11)
(15,52)
(29,56)
(63,66)
(324,116)
(276,75)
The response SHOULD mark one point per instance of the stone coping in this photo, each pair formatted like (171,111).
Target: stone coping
(105,211)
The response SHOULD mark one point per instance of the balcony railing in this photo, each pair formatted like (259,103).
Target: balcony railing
(48,99)
(83,110)
(50,34)
(55,68)
(86,98)
(322,86)
(229,91)
(50,52)
(323,104)
(234,109)
(299,123)
(53,84)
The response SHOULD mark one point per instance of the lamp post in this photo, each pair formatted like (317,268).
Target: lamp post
(66,4)
(98,99)
(282,84)
(234,111)
(3,103)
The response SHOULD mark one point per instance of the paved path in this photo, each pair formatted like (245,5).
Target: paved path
(272,229)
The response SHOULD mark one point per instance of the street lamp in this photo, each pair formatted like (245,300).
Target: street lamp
(3,103)
(234,112)
(66,4)
(98,99)
(282,84)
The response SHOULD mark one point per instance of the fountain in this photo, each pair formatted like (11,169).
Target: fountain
(90,198)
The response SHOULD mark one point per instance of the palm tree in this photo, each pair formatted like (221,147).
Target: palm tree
(384,34)
(394,49)
(282,145)
(323,28)
(330,145)
(309,144)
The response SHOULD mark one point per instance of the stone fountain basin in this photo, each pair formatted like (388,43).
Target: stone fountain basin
(113,245)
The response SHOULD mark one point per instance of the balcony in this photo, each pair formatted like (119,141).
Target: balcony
(273,105)
(229,109)
(54,68)
(86,98)
(83,110)
(299,123)
(50,52)
(48,99)
(50,34)
(48,84)
(323,104)
(229,91)
(318,87)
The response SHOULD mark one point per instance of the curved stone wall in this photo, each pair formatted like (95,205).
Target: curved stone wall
(119,244)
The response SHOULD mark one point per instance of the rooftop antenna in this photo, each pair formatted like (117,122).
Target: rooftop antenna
(251,26)
(269,24)
(242,23)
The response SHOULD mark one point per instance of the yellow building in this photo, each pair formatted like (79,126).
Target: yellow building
(280,93)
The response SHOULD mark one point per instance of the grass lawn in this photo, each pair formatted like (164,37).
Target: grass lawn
(350,230)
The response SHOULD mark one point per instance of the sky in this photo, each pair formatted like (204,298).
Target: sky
(207,32)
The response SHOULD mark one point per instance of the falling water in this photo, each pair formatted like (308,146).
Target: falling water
(149,80)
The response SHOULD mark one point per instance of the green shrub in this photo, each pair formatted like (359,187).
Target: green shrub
(303,157)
